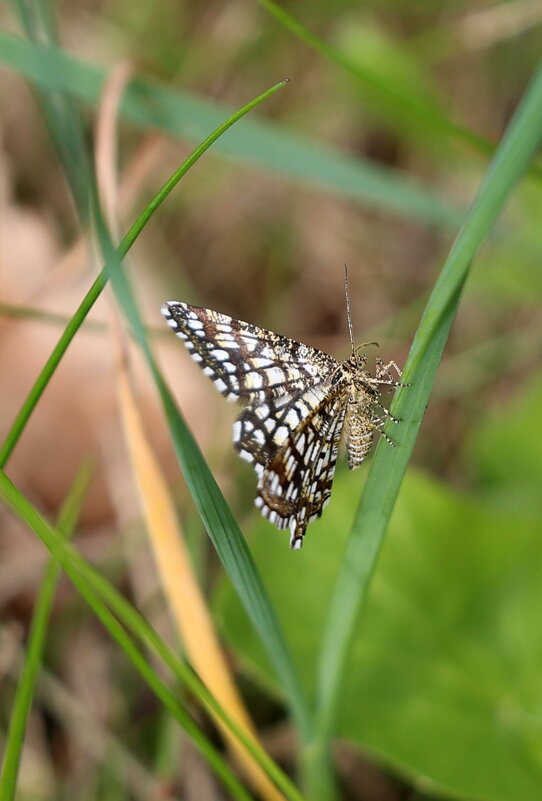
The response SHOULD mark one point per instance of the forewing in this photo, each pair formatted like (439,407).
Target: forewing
(295,485)
(245,362)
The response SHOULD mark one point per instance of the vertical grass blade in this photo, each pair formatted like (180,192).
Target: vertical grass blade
(60,115)
(388,466)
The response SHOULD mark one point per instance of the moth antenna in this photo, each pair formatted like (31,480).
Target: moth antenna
(366,344)
(348,315)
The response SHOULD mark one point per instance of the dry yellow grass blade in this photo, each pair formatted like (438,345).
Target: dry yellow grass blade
(187,605)
(181,589)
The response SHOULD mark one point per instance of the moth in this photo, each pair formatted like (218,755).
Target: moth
(299,403)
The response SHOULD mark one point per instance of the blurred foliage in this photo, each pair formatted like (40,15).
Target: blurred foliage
(443,686)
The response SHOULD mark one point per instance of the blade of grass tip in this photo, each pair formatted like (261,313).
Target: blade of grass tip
(388,466)
(97,287)
(84,575)
(181,587)
(219,522)
(24,693)
(72,564)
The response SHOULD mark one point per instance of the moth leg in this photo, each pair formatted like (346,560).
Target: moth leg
(383,375)
(379,423)
(388,439)
(387,412)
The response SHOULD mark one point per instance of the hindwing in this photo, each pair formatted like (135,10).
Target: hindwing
(295,484)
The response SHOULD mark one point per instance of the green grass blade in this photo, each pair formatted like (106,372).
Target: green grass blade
(389,465)
(102,597)
(259,143)
(47,371)
(96,289)
(24,694)
(215,513)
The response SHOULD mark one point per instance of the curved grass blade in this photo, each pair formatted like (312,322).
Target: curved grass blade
(219,522)
(95,290)
(388,467)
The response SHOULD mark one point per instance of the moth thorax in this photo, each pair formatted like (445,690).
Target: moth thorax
(359,433)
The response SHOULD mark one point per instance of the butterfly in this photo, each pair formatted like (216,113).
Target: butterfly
(298,404)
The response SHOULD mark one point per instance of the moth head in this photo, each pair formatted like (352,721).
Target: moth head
(361,359)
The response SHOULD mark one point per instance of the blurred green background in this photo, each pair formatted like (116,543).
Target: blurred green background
(370,156)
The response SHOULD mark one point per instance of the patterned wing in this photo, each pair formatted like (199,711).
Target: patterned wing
(245,362)
(295,485)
